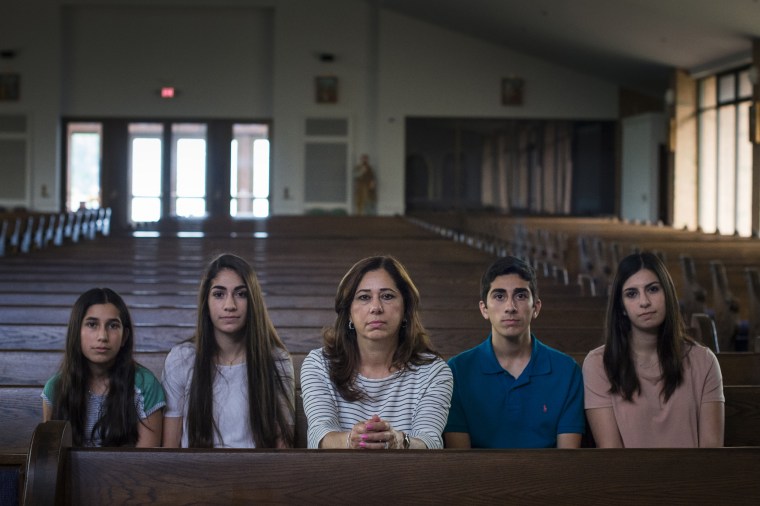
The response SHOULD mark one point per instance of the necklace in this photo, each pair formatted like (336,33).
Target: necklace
(97,388)
(236,359)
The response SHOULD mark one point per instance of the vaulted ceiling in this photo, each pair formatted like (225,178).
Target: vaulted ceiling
(634,43)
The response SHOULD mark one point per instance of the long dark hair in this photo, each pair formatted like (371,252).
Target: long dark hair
(672,340)
(267,389)
(117,426)
(340,347)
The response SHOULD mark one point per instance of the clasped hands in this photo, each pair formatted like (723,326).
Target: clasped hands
(374,434)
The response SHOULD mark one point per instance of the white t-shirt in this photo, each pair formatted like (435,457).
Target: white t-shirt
(230,395)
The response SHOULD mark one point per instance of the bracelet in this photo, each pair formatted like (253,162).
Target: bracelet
(348,439)
(407,441)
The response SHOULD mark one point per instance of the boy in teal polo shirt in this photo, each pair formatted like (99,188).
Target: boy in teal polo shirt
(512,391)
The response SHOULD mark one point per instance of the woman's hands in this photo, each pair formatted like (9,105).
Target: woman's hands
(374,434)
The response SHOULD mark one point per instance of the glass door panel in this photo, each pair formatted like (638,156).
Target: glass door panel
(83,165)
(249,171)
(189,170)
(145,152)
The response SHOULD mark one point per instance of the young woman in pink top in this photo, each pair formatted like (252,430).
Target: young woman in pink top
(651,385)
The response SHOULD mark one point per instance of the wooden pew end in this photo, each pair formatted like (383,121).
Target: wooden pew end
(45,463)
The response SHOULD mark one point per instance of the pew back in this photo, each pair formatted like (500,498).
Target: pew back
(450,476)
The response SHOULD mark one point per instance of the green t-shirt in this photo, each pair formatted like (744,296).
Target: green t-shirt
(149,398)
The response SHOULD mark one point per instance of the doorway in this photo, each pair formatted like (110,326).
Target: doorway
(169,168)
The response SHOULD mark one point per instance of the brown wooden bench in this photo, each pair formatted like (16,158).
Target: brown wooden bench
(737,368)
(11,477)
(22,410)
(304,317)
(151,338)
(752,277)
(33,368)
(602,241)
(59,475)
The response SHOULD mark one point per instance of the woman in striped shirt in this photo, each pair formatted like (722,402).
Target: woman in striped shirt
(376,383)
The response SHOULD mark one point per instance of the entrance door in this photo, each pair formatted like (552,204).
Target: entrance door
(169,169)
(167,182)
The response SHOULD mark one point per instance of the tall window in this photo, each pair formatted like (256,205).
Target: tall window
(83,166)
(166,167)
(725,153)
(189,170)
(145,141)
(187,178)
(249,171)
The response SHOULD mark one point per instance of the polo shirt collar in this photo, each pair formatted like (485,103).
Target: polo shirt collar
(539,359)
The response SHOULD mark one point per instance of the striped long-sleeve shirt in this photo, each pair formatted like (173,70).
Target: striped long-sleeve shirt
(415,401)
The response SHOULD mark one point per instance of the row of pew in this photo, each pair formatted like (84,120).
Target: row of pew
(23,231)
(716,275)
(299,262)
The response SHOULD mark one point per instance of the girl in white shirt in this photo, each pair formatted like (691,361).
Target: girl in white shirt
(233,384)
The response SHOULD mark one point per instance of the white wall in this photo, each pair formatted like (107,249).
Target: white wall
(389,67)
(642,136)
(429,71)
(303,29)
(118,57)
(32,29)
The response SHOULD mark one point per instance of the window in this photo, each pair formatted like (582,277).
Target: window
(725,153)
(189,170)
(249,171)
(145,149)
(326,165)
(83,166)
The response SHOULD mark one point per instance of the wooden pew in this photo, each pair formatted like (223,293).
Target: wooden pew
(3,237)
(14,236)
(150,338)
(161,476)
(33,368)
(726,305)
(22,410)
(45,463)
(738,368)
(11,477)
(753,290)
(737,253)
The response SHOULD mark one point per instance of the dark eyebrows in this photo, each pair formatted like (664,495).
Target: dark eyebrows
(502,291)
(382,290)
(220,287)
(96,319)
(648,285)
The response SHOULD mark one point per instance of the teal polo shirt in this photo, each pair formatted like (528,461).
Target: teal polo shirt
(500,411)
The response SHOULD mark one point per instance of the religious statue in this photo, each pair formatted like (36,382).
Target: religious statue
(365,187)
